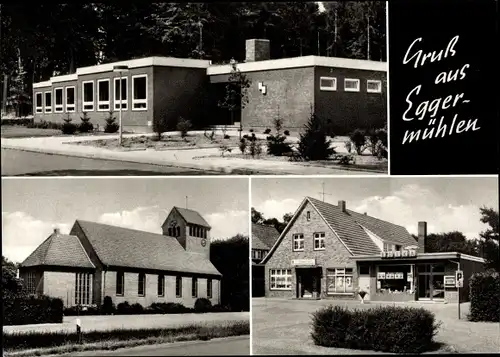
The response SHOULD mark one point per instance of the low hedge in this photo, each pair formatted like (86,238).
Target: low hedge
(32,310)
(387,329)
(22,121)
(484,293)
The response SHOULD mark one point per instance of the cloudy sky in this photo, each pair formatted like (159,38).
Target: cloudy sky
(447,204)
(32,208)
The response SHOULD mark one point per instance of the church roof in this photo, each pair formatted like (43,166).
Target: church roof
(192,217)
(59,250)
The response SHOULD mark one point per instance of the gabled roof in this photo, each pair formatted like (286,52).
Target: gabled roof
(348,227)
(263,237)
(59,250)
(124,247)
(192,217)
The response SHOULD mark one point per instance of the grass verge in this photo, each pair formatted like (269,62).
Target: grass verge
(50,343)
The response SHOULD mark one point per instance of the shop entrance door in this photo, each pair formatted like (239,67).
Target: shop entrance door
(308,283)
(431,282)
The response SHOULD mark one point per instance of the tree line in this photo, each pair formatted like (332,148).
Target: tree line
(47,39)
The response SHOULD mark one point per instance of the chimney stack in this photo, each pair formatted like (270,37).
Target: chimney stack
(342,206)
(56,231)
(422,236)
(257,50)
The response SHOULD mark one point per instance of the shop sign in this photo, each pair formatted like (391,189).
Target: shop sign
(381,275)
(400,254)
(306,262)
(389,275)
(449,281)
(399,276)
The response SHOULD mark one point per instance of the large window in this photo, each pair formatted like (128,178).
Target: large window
(161,285)
(70,99)
(140,92)
(328,83)
(339,280)
(395,279)
(141,287)
(178,286)
(30,283)
(280,279)
(83,288)
(38,102)
(103,95)
(298,242)
(209,288)
(351,85)
(88,96)
(121,94)
(48,102)
(58,100)
(120,283)
(197,231)
(194,287)
(319,241)
(373,86)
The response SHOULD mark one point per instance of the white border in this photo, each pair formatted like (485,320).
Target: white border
(84,103)
(45,102)
(140,101)
(388,108)
(107,102)
(368,90)
(61,106)
(329,89)
(37,108)
(66,99)
(117,103)
(358,89)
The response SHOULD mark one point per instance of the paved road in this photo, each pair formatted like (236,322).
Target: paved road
(239,345)
(24,163)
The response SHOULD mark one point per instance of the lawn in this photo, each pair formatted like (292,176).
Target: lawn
(20,131)
(284,326)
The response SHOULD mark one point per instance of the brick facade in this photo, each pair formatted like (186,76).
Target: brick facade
(257,50)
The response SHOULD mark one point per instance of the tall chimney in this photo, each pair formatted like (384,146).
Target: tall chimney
(342,206)
(257,50)
(422,236)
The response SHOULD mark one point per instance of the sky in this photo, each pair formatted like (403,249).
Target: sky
(446,204)
(32,208)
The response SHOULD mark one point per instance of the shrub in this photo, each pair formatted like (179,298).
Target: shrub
(167,308)
(348,146)
(68,127)
(251,130)
(313,143)
(183,125)
(484,293)
(136,308)
(267,131)
(111,124)
(243,145)
(387,329)
(276,144)
(123,308)
(226,136)
(81,310)
(202,305)
(286,132)
(255,149)
(108,307)
(32,310)
(358,139)
(24,121)
(43,124)
(85,126)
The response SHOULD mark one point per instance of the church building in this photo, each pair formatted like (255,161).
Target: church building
(96,260)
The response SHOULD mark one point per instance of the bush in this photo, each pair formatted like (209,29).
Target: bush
(111,124)
(267,131)
(276,144)
(136,309)
(167,308)
(108,307)
(243,145)
(123,308)
(251,130)
(202,305)
(183,125)
(81,310)
(358,139)
(85,126)
(313,144)
(23,121)
(387,329)
(255,149)
(32,310)
(226,136)
(484,293)
(286,132)
(43,124)
(68,127)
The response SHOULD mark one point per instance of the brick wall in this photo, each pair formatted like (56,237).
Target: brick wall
(257,50)
(335,254)
(60,285)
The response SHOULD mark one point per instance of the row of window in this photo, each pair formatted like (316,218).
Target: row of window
(388,247)
(197,231)
(83,288)
(338,280)
(259,253)
(350,85)
(141,285)
(67,102)
(298,241)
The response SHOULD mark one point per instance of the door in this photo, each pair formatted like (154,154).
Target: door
(424,286)
(364,284)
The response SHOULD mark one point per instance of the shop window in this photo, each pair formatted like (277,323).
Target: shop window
(339,280)
(328,83)
(48,102)
(298,242)
(58,100)
(103,95)
(140,92)
(373,86)
(394,279)
(178,286)
(319,241)
(121,94)
(70,99)
(88,96)
(280,279)
(120,283)
(38,103)
(351,85)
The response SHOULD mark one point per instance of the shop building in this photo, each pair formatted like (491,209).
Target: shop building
(328,251)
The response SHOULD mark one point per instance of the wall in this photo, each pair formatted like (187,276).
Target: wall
(61,285)
(175,216)
(469,268)
(335,254)
(346,111)
(131,288)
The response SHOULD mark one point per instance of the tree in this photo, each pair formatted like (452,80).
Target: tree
(230,257)
(12,286)
(313,143)
(490,238)
(450,242)
(258,218)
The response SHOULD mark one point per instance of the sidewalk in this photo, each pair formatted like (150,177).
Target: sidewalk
(182,158)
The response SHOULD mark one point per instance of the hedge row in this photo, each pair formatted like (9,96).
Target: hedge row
(388,329)
(23,121)
(32,310)
(484,293)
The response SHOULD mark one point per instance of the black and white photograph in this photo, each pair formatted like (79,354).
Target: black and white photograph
(194,88)
(139,266)
(368,265)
